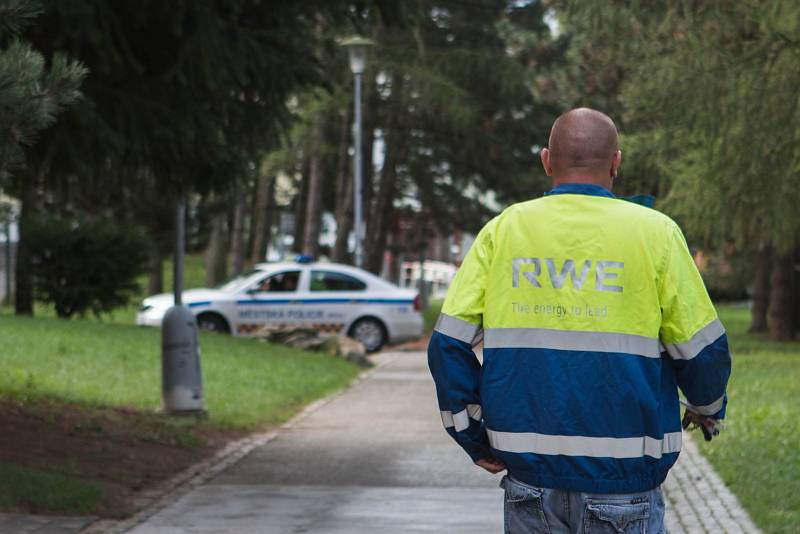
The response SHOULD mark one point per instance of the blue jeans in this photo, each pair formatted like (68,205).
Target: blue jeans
(530,510)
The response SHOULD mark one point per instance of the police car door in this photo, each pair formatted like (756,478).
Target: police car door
(340,293)
(272,301)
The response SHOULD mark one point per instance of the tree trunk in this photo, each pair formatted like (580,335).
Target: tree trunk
(396,271)
(237,236)
(8,262)
(344,192)
(315,186)
(23,293)
(367,143)
(422,249)
(780,298)
(344,225)
(249,200)
(383,208)
(159,219)
(393,271)
(216,253)
(796,294)
(300,207)
(375,240)
(265,192)
(272,217)
(761,291)
(155,271)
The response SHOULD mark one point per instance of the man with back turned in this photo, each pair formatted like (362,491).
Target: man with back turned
(593,314)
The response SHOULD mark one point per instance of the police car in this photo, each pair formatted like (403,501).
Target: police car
(329,297)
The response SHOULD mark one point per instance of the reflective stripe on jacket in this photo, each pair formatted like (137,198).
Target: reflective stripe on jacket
(592,313)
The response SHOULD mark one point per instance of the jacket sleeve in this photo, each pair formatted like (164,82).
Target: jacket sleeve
(691,332)
(452,362)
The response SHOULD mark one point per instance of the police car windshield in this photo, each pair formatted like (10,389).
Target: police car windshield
(235,283)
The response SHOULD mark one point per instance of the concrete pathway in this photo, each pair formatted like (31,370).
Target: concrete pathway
(376,460)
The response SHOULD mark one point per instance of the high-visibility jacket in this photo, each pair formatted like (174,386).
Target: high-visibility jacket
(592,314)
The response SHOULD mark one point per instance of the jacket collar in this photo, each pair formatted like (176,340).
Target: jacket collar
(581,189)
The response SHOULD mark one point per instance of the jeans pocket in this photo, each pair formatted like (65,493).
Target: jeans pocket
(616,516)
(523,508)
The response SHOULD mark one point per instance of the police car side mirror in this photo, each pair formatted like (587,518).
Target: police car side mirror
(252,291)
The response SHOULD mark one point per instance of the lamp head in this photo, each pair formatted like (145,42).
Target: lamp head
(357,48)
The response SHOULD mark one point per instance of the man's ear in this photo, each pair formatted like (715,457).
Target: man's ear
(545,155)
(615,164)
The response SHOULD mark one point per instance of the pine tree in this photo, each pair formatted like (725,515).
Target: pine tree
(31,95)
(31,92)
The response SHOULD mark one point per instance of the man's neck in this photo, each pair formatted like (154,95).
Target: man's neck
(605,183)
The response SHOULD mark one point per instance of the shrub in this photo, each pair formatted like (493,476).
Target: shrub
(83,265)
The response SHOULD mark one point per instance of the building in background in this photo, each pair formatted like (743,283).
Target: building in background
(437,276)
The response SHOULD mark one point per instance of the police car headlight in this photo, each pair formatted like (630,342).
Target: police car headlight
(145,307)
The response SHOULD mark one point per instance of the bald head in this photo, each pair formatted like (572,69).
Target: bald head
(583,148)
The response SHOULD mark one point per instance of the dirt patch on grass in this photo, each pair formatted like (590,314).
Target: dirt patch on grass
(121,451)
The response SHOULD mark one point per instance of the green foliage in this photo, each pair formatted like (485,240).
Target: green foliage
(32,490)
(708,96)
(468,118)
(16,14)
(182,99)
(31,93)
(758,455)
(247,384)
(83,265)
(183,95)
(454,110)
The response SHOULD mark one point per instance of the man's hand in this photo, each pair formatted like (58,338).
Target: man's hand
(491,464)
(707,424)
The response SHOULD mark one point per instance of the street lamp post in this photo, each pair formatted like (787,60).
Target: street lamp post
(357,48)
(181,378)
(180,249)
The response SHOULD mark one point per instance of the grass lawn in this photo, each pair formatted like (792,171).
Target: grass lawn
(247,383)
(758,455)
(98,385)
(46,491)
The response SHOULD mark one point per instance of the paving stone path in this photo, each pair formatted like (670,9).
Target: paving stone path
(375,459)
(698,501)
(38,524)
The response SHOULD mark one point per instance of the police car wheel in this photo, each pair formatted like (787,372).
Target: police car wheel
(212,322)
(370,332)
